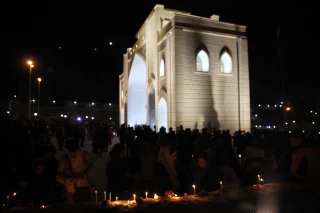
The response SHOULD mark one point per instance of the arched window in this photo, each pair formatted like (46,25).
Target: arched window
(225,63)
(202,62)
(161,68)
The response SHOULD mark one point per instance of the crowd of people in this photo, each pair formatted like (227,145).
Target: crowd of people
(167,163)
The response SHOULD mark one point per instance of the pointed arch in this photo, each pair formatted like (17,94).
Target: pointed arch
(225,61)
(162,114)
(202,58)
(162,68)
(137,90)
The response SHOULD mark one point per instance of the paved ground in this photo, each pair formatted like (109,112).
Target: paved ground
(99,177)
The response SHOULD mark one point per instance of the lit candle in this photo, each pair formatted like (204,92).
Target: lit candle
(116,199)
(104,195)
(134,197)
(42,207)
(96,196)
(259,179)
(110,196)
(155,196)
(8,200)
(14,194)
(240,159)
(146,195)
(194,189)
(221,187)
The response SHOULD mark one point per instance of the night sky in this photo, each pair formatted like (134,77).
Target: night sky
(79,72)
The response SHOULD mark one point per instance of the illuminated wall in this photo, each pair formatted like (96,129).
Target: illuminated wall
(197,66)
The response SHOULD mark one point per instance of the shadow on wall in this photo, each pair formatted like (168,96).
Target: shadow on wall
(211,119)
(208,112)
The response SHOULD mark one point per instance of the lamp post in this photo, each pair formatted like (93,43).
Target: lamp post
(29,108)
(39,80)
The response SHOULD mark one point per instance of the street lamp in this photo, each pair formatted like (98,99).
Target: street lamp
(29,108)
(39,80)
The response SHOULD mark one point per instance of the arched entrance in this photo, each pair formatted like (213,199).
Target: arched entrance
(152,107)
(122,116)
(137,89)
(162,114)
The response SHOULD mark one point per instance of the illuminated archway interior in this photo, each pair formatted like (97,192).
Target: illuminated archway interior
(137,89)
(202,61)
(152,108)
(226,63)
(122,115)
(162,114)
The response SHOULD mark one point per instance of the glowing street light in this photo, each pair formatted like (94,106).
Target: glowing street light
(256,115)
(294,121)
(259,105)
(29,106)
(92,118)
(87,117)
(110,43)
(109,104)
(288,108)
(39,80)
(54,102)
(92,104)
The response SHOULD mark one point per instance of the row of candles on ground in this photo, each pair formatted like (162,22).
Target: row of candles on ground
(156,197)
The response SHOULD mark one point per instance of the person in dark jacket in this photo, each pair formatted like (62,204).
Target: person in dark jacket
(204,176)
(120,179)
(166,179)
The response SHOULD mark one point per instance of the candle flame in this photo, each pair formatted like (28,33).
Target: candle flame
(258,175)
(220,182)
(194,186)
(14,194)
(175,195)
(261,180)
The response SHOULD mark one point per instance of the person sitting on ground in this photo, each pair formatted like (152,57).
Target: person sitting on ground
(74,170)
(166,178)
(204,176)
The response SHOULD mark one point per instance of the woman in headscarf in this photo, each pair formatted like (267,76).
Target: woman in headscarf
(204,176)
(166,179)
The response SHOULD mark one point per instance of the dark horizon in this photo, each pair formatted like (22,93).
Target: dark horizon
(79,72)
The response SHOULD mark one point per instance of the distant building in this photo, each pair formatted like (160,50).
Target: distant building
(186,70)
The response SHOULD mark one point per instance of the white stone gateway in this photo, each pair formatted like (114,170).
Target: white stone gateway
(186,70)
